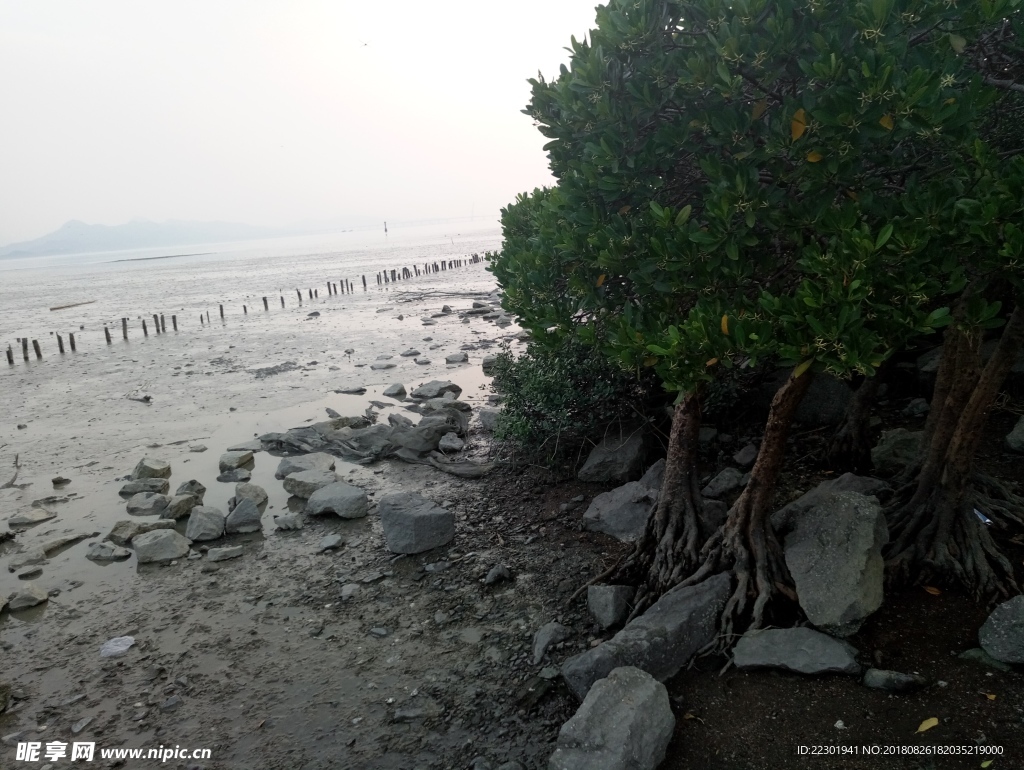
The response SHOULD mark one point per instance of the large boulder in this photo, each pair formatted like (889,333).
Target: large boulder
(624,723)
(617,459)
(803,650)
(244,518)
(205,523)
(833,544)
(436,389)
(148,468)
(1015,439)
(348,501)
(29,595)
(1002,635)
(160,545)
(895,450)
(231,460)
(314,461)
(488,416)
(661,641)
(728,480)
(413,524)
(623,512)
(148,504)
(304,483)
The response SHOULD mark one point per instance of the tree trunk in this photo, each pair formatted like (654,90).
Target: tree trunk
(670,546)
(746,544)
(850,448)
(937,534)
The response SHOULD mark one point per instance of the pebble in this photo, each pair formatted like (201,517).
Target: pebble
(496,574)
(331,542)
(80,725)
(379,631)
(171,704)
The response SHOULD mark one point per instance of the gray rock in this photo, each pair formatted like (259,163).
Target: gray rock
(624,723)
(194,488)
(315,461)
(425,436)
(746,456)
(349,590)
(158,486)
(178,507)
(235,475)
(30,516)
(1002,635)
(1015,438)
(347,501)
(496,574)
(916,408)
(399,421)
(422,361)
(304,483)
(160,545)
(331,542)
(32,556)
(729,480)
(29,595)
(148,468)
(254,492)
(803,650)
(610,605)
(244,518)
(978,655)
(786,517)
(707,436)
(231,460)
(395,391)
(247,446)
(410,353)
(450,442)
(489,363)
(106,552)
(833,550)
(148,504)
(381,365)
(125,530)
(31,573)
(715,514)
(435,389)
(895,450)
(547,635)
(288,521)
(616,460)
(893,681)
(623,512)
(457,358)
(413,524)
(225,553)
(488,416)
(661,641)
(205,523)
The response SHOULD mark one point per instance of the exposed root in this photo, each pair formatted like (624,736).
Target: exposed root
(850,448)
(14,478)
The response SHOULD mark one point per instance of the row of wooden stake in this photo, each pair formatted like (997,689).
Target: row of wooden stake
(346,287)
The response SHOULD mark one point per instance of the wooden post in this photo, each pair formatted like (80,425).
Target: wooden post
(174,322)
(300,295)
(145,332)
(207,316)
(10,356)
(124,328)
(24,347)
(311,294)
(60,344)
(35,347)
(106,333)
(156,324)
(316,293)
(163,324)
(222,312)
(282,300)
(329,292)
(265,305)
(245,310)
(200,319)
(364,283)
(71,339)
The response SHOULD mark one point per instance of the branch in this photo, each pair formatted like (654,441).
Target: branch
(1008,85)
(10,484)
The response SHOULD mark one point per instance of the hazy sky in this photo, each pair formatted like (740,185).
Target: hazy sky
(271,112)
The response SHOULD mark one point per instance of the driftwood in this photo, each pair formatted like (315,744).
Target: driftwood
(73,304)
(14,478)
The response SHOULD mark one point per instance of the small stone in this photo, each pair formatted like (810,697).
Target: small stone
(288,521)
(31,573)
(171,704)
(304,483)
(148,504)
(314,461)
(339,497)
(254,492)
(205,523)
(496,574)
(893,681)
(796,649)
(160,545)
(450,442)
(610,605)
(178,507)
(1002,635)
(27,596)
(197,448)
(396,390)
(223,554)
(1015,438)
(80,725)
(331,542)
(978,655)
(349,590)
(546,636)
(132,488)
(729,480)
(244,518)
(379,631)
(235,475)
(457,358)
(107,552)
(30,517)
(194,488)
(232,460)
(746,456)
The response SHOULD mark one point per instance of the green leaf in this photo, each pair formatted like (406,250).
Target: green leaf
(884,236)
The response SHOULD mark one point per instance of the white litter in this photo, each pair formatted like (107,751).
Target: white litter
(114,648)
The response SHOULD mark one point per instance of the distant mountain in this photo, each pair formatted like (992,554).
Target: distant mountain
(78,237)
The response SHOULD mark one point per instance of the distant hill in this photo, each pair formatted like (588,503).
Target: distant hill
(78,237)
